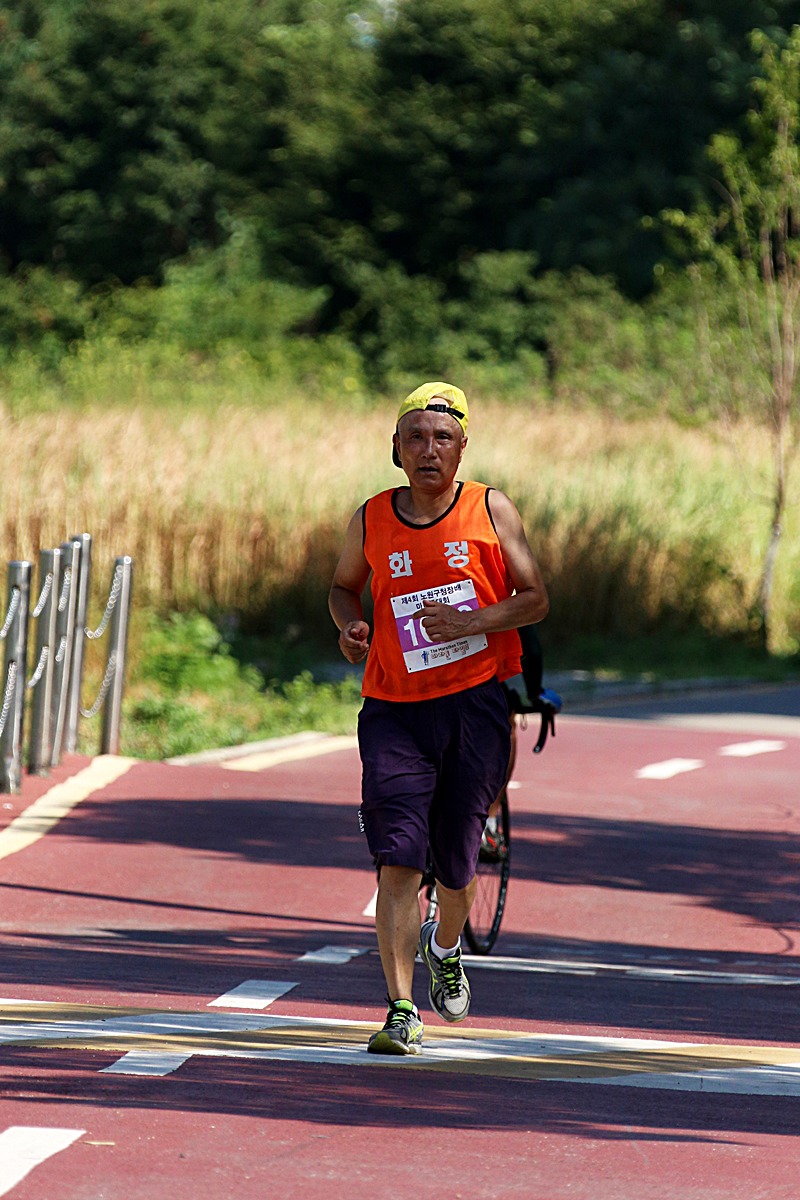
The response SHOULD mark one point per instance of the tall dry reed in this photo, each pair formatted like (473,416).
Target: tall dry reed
(242,506)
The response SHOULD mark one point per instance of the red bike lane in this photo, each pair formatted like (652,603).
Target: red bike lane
(189,977)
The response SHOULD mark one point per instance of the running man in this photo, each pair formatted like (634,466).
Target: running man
(453,577)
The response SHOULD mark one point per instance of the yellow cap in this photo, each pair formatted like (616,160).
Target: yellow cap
(452,401)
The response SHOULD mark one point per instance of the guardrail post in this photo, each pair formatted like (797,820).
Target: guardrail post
(14,675)
(65,637)
(118,640)
(84,541)
(41,741)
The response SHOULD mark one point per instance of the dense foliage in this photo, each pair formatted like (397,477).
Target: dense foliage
(299,197)
(404,175)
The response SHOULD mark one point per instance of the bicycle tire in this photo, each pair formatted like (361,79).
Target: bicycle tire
(431,905)
(494,869)
(429,902)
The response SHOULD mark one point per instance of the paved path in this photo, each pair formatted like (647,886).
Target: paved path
(189,976)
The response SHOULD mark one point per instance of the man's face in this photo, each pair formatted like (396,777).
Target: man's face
(430,445)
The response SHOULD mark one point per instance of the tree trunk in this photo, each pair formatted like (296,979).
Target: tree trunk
(764,600)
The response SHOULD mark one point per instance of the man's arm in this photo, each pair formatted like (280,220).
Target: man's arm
(529,604)
(344,601)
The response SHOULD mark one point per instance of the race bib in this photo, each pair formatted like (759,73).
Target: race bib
(419,652)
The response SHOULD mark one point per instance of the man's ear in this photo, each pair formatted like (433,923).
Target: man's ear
(396,451)
(464,441)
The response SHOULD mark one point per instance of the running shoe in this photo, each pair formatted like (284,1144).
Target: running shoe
(402,1033)
(448,992)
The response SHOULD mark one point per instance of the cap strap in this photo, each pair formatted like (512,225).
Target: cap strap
(454,412)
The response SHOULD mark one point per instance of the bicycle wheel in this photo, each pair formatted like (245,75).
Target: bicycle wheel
(430,906)
(494,868)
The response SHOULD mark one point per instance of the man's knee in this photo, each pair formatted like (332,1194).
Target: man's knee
(398,879)
(455,895)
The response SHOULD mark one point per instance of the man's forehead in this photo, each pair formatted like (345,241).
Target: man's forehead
(428,418)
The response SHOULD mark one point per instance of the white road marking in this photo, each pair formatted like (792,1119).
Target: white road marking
(39,817)
(15,1001)
(748,749)
(147,1062)
(619,1061)
(372,907)
(332,954)
(23,1147)
(669,768)
(663,974)
(275,758)
(253,993)
(513,785)
(744,1081)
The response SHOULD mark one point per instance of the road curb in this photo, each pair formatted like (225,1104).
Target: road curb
(223,753)
(577,689)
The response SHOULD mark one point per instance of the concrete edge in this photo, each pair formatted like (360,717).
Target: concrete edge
(224,753)
(576,688)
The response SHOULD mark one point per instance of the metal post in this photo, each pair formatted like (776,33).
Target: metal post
(41,742)
(14,676)
(65,637)
(84,540)
(118,640)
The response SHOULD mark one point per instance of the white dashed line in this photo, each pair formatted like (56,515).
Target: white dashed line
(632,971)
(748,749)
(332,954)
(23,1147)
(372,907)
(669,768)
(147,1062)
(253,993)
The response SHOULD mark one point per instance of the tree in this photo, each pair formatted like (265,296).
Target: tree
(116,130)
(753,240)
(558,128)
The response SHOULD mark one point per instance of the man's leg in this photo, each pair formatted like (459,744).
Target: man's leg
(397,923)
(440,949)
(469,779)
(454,909)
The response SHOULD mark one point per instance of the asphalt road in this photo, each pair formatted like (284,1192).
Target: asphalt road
(732,705)
(189,978)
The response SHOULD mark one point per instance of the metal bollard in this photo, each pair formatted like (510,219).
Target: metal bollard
(64,642)
(118,641)
(41,741)
(16,655)
(84,540)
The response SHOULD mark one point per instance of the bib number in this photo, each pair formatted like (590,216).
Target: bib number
(419,652)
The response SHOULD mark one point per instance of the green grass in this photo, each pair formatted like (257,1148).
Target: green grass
(663,657)
(186,692)
(189,690)
(231,490)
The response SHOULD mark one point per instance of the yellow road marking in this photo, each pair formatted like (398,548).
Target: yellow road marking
(274,758)
(48,810)
(482,1052)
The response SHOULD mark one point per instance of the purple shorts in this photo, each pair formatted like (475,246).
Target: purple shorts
(430,771)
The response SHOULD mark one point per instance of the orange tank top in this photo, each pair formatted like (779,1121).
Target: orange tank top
(456,560)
